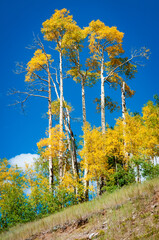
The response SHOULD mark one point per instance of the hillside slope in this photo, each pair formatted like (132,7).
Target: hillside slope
(129,213)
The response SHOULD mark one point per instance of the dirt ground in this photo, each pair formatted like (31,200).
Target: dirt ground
(138,218)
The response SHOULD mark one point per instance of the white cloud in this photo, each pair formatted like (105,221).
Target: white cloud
(22,159)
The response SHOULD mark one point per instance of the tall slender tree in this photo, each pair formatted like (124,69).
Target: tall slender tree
(41,61)
(38,78)
(56,29)
(86,77)
(104,43)
(69,133)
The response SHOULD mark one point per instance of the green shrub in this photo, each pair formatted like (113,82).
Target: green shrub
(149,170)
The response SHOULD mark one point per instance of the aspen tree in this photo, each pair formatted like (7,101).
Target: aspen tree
(41,61)
(126,70)
(51,144)
(84,77)
(55,106)
(94,151)
(66,118)
(39,84)
(56,29)
(151,135)
(103,40)
(105,43)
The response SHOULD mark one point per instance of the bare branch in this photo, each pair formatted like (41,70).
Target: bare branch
(142,52)
(13,92)
(54,85)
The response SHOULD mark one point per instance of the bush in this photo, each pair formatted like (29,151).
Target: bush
(149,170)
(119,178)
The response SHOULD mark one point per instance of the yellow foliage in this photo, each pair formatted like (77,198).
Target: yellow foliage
(74,37)
(74,73)
(115,78)
(38,61)
(62,29)
(53,144)
(55,107)
(69,182)
(115,146)
(93,153)
(114,50)
(140,133)
(11,180)
(98,148)
(101,35)
(137,135)
(129,92)
(8,175)
(151,123)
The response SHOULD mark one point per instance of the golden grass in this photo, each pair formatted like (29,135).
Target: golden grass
(23,231)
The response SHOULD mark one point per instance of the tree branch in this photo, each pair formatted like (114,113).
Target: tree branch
(143,52)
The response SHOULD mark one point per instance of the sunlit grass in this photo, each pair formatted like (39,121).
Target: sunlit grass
(82,210)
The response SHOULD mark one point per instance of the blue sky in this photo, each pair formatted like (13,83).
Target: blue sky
(138,20)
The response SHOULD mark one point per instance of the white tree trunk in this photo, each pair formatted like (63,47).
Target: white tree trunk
(123,117)
(71,145)
(61,118)
(86,182)
(123,100)
(74,156)
(70,136)
(101,181)
(51,177)
(102,95)
(83,103)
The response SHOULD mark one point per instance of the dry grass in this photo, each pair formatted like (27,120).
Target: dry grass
(74,213)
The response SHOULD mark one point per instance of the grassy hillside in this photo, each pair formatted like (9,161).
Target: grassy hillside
(129,213)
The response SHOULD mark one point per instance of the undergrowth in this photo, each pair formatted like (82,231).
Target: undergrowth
(82,210)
